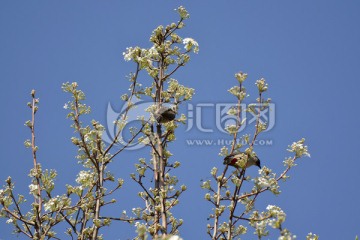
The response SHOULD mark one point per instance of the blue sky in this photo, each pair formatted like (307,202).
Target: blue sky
(308,51)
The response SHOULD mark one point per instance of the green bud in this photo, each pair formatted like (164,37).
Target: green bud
(176,164)
(28,123)
(207,196)
(27,143)
(262,85)
(8,180)
(228,193)
(183,12)
(97,222)
(75,141)
(107,222)
(214,171)
(240,76)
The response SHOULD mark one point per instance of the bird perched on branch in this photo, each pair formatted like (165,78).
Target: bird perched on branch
(164,114)
(235,160)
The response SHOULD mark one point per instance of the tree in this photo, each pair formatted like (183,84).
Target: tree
(233,201)
(80,209)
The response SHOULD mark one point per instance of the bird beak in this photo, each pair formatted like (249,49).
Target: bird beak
(259,165)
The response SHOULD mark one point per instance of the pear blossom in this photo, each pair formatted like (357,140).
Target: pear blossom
(190,43)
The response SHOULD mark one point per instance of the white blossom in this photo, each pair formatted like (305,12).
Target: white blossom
(9,221)
(240,76)
(175,237)
(299,148)
(312,236)
(131,53)
(263,182)
(286,235)
(206,185)
(84,178)
(183,12)
(153,53)
(189,44)
(56,203)
(262,85)
(128,54)
(33,189)
(267,179)
(50,205)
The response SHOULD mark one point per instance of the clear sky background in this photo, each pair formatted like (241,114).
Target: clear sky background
(309,52)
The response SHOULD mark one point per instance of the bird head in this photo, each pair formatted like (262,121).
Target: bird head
(165,114)
(257,162)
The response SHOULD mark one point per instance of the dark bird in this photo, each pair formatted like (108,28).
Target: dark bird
(164,114)
(232,160)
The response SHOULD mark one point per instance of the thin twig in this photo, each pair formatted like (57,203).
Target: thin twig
(38,198)
(134,78)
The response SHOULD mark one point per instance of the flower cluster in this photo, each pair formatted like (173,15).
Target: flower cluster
(189,44)
(299,148)
(262,85)
(232,184)
(267,180)
(57,203)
